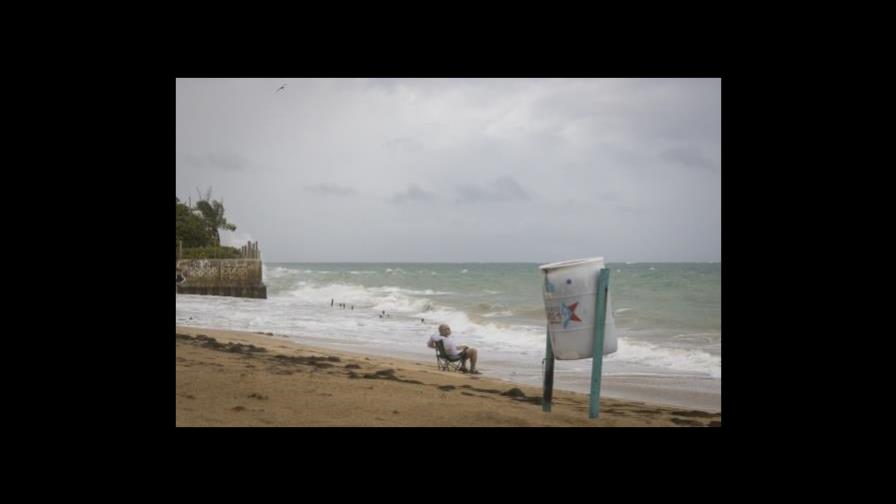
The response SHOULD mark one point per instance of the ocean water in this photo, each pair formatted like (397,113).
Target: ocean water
(668,315)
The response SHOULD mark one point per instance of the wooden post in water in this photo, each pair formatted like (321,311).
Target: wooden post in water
(600,318)
(548,375)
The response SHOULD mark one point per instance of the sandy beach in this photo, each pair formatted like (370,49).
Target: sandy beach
(234,378)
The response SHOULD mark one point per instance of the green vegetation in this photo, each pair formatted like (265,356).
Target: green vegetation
(213,213)
(211,253)
(197,228)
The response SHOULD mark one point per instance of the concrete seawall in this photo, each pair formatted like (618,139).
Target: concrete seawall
(221,277)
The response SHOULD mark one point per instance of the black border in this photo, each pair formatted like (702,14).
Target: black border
(142,309)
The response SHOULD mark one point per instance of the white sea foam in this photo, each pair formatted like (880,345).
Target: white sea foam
(689,361)
(299,305)
(426,292)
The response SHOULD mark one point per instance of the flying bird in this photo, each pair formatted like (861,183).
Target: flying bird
(280,88)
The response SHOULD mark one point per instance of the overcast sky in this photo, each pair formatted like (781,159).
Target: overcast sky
(455,170)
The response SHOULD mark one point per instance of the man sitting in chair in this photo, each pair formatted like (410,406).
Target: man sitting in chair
(464,353)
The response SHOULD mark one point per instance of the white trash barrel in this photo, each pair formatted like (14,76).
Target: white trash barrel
(570,289)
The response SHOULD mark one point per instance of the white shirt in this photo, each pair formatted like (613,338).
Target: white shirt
(450,347)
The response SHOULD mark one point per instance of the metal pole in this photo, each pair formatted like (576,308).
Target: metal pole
(600,316)
(548,375)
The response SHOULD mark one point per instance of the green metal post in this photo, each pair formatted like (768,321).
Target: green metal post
(600,318)
(548,375)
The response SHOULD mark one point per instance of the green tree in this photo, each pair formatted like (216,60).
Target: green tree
(191,228)
(213,213)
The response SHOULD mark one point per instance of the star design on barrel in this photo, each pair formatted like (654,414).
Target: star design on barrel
(569,313)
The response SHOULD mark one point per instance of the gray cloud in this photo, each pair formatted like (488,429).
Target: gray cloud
(404,144)
(504,188)
(220,161)
(327,189)
(689,157)
(413,193)
(459,169)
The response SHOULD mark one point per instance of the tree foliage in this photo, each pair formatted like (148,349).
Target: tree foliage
(198,226)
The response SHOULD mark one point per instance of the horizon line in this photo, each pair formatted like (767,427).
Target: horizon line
(486,262)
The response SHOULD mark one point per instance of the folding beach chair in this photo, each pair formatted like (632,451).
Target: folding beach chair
(446,362)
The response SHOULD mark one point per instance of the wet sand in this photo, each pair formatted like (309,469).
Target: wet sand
(235,378)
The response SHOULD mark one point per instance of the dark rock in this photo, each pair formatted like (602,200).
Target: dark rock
(694,413)
(352,366)
(688,422)
(514,392)
(447,387)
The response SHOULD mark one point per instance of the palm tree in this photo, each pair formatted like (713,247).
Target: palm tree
(213,213)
